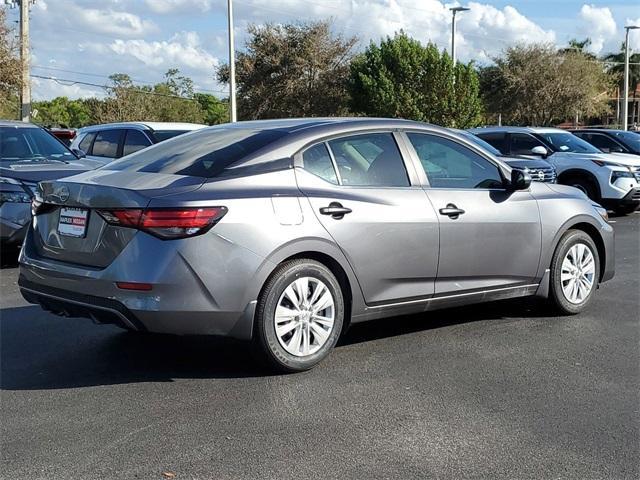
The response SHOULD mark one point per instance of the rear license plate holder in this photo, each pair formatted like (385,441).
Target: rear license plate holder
(73,222)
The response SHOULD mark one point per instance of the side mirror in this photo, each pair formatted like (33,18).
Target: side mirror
(520,180)
(78,153)
(540,150)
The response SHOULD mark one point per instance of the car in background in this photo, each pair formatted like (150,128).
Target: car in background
(65,135)
(28,154)
(284,232)
(612,180)
(107,142)
(610,141)
(539,169)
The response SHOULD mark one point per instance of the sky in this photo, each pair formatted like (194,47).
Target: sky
(88,40)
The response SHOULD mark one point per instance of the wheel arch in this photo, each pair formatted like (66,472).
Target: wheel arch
(325,253)
(578,172)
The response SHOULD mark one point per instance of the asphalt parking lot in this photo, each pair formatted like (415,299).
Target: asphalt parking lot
(502,390)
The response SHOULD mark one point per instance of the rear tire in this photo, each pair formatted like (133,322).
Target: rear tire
(575,271)
(299,316)
(586,185)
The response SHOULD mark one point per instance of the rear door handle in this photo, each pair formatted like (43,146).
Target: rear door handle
(336,210)
(451,211)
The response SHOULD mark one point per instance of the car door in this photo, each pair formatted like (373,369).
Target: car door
(490,237)
(374,208)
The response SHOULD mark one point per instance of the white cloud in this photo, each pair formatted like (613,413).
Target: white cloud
(598,25)
(634,35)
(183,6)
(114,22)
(183,49)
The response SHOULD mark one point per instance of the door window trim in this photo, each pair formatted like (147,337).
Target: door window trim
(469,145)
(412,175)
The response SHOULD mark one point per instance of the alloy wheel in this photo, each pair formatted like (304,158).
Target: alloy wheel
(304,316)
(578,273)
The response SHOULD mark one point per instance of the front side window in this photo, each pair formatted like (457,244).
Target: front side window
(106,143)
(496,139)
(523,143)
(134,141)
(601,141)
(317,161)
(369,160)
(451,165)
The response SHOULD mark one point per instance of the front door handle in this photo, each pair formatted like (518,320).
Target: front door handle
(336,210)
(451,211)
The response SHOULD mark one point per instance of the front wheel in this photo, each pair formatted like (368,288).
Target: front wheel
(299,315)
(575,270)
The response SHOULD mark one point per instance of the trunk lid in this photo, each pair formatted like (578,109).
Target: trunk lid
(82,196)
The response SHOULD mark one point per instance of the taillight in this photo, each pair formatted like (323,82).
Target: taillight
(166,223)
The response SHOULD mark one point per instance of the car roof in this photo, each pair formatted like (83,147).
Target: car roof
(507,129)
(146,126)
(597,130)
(17,123)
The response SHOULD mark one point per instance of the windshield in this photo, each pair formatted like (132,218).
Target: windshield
(478,141)
(631,139)
(30,144)
(567,142)
(202,153)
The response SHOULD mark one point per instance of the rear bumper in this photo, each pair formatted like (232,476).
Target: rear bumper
(109,311)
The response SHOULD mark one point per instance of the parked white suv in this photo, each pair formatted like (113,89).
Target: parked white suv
(611,179)
(107,142)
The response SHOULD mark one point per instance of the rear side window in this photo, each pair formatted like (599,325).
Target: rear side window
(369,160)
(209,152)
(496,140)
(601,141)
(317,161)
(451,165)
(134,141)
(106,143)
(162,135)
(85,144)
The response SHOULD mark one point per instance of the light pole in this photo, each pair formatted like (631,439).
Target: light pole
(232,64)
(455,10)
(25,61)
(625,97)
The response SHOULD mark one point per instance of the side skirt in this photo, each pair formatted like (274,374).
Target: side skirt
(457,300)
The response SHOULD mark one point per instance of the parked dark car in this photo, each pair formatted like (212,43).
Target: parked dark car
(65,135)
(28,154)
(539,169)
(610,141)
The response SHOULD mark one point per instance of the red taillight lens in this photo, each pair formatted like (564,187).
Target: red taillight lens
(167,223)
(140,287)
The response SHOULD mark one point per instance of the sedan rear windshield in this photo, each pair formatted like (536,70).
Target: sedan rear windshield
(202,153)
(29,144)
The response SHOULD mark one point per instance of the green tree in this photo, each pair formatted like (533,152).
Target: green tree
(215,111)
(615,66)
(539,85)
(402,78)
(9,70)
(293,70)
(62,111)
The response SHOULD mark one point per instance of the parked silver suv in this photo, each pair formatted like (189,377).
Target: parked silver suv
(286,231)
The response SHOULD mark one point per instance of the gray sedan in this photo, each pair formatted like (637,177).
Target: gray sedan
(285,232)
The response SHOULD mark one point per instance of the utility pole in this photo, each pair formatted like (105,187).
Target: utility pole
(232,64)
(25,61)
(625,98)
(455,10)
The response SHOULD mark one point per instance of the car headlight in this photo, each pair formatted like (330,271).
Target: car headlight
(601,211)
(618,174)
